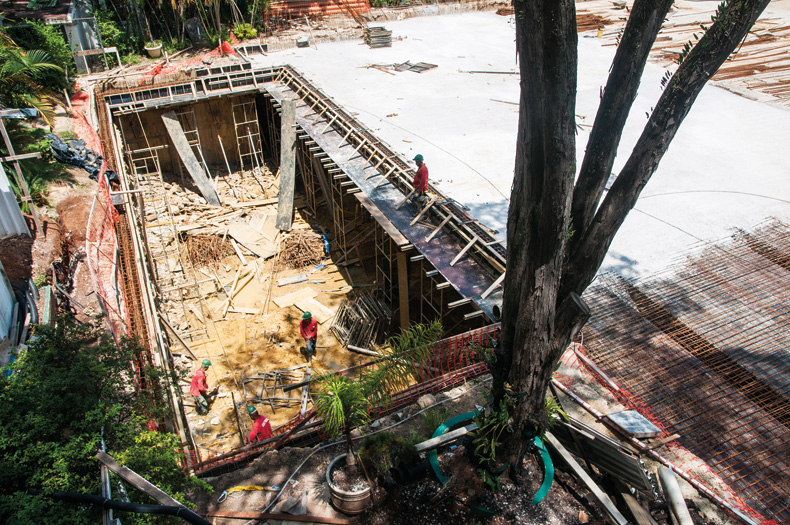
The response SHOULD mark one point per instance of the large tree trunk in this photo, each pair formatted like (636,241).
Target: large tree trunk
(541,310)
(546,42)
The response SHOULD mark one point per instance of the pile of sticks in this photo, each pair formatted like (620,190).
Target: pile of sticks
(302,249)
(207,250)
(363,321)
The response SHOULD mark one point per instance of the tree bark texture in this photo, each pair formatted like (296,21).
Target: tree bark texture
(541,311)
(537,233)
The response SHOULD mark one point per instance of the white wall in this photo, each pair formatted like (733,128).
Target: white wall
(7,301)
(12,222)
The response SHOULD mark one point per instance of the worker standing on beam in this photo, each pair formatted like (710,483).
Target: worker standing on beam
(308,327)
(261,426)
(420,181)
(199,387)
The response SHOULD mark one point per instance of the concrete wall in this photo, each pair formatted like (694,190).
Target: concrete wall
(214,118)
(12,222)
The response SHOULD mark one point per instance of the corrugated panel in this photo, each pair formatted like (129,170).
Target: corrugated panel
(7,301)
(12,222)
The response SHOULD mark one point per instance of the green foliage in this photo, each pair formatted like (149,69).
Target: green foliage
(23,77)
(244,31)
(51,40)
(384,450)
(555,411)
(433,418)
(70,389)
(490,427)
(341,403)
(344,402)
(39,173)
(403,355)
(114,34)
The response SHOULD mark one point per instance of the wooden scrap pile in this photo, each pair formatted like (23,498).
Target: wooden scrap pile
(363,321)
(302,249)
(378,37)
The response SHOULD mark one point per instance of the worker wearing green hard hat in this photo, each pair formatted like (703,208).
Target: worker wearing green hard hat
(261,427)
(308,327)
(420,182)
(199,387)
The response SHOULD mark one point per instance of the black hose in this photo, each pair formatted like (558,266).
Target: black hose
(181,512)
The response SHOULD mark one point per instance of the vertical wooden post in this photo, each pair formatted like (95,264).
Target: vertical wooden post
(285,207)
(403,289)
(20,179)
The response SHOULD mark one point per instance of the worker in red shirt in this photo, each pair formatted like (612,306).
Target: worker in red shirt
(420,181)
(261,426)
(199,387)
(308,327)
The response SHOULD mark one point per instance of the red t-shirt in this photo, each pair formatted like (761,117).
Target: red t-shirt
(420,181)
(198,386)
(261,429)
(309,328)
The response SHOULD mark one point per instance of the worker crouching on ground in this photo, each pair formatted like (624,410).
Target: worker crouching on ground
(199,388)
(420,181)
(261,427)
(308,327)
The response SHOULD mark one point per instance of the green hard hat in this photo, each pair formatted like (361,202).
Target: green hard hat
(206,362)
(307,315)
(419,157)
(251,409)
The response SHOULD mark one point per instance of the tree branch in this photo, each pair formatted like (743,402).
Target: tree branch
(618,97)
(732,23)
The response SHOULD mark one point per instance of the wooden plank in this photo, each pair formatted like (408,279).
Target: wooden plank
(244,310)
(424,210)
(36,155)
(434,232)
(593,487)
(291,298)
(285,208)
(449,437)
(640,514)
(191,163)
(466,249)
(238,252)
(397,237)
(403,289)
(285,518)
(250,204)
(180,340)
(493,286)
(299,278)
(137,481)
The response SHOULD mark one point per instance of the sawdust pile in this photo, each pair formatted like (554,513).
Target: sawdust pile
(207,250)
(302,249)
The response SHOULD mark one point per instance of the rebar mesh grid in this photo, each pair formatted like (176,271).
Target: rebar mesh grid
(705,348)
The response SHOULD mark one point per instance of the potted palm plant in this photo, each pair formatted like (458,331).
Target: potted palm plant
(345,402)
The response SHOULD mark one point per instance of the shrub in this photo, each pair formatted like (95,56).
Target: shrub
(244,31)
(52,40)
(380,452)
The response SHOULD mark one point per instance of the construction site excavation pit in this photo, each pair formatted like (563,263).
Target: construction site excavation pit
(247,197)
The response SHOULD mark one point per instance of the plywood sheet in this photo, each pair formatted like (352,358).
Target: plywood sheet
(321,313)
(251,239)
(291,299)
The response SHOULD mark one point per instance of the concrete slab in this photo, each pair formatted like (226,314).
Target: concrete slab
(725,169)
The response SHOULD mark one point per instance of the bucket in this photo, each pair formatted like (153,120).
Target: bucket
(346,502)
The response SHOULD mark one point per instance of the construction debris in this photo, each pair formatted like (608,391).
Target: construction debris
(207,250)
(302,249)
(378,37)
